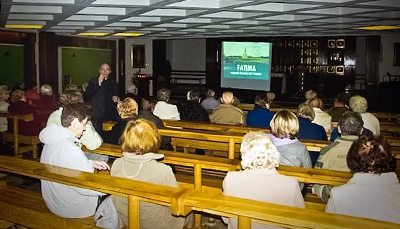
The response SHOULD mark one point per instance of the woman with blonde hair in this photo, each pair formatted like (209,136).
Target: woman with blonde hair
(140,143)
(284,131)
(259,179)
(127,110)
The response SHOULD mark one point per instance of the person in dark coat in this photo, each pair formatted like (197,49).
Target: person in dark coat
(260,116)
(193,110)
(308,129)
(127,110)
(148,104)
(102,95)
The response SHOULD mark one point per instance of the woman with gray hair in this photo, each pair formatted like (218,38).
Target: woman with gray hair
(259,179)
(359,104)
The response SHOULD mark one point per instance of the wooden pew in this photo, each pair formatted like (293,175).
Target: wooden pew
(210,140)
(29,142)
(208,172)
(212,126)
(30,212)
(182,201)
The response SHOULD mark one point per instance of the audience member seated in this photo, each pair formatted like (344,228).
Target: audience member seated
(339,106)
(309,130)
(260,116)
(333,156)
(374,190)
(321,118)
(4,95)
(127,110)
(193,110)
(148,104)
(271,100)
(284,131)
(163,109)
(309,95)
(259,179)
(227,113)
(90,138)
(60,150)
(19,105)
(140,143)
(210,103)
(32,96)
(359,104)
(335,133)
(132,92)
(47,102)
(47,98)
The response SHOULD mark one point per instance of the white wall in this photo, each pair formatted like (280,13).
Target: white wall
(387,52)
(187,54)
(129,70)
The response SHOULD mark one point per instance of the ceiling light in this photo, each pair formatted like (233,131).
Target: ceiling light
(96,34)
(23,26)
(379,27)
(128,34)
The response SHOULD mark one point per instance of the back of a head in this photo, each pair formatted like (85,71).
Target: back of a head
(227,97)
(17,95)
(70,96)
(261,100)
(316,102)
(351,123)
(285,124)
(140,137)
(270,96)
(342,98)
(72,111)
(148,103)
(258,151)
(371,154)
(46,89)
(310,94)
(210,93)
(127,108)
(306,111)
(4,92)
(358,103)
(163,94)
(193,95)
(132,89)
(30,84)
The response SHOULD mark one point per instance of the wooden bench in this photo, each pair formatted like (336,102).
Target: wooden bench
(23,207)
(212,126)
(25,212)
(181,201)
(29,143)
(207,172)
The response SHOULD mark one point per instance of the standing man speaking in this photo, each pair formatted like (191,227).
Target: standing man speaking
(102,95)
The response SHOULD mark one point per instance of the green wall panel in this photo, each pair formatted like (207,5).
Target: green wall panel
(82,64)
(11,64)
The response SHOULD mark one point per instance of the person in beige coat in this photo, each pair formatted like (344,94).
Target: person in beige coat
(227,113)
(140,142)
